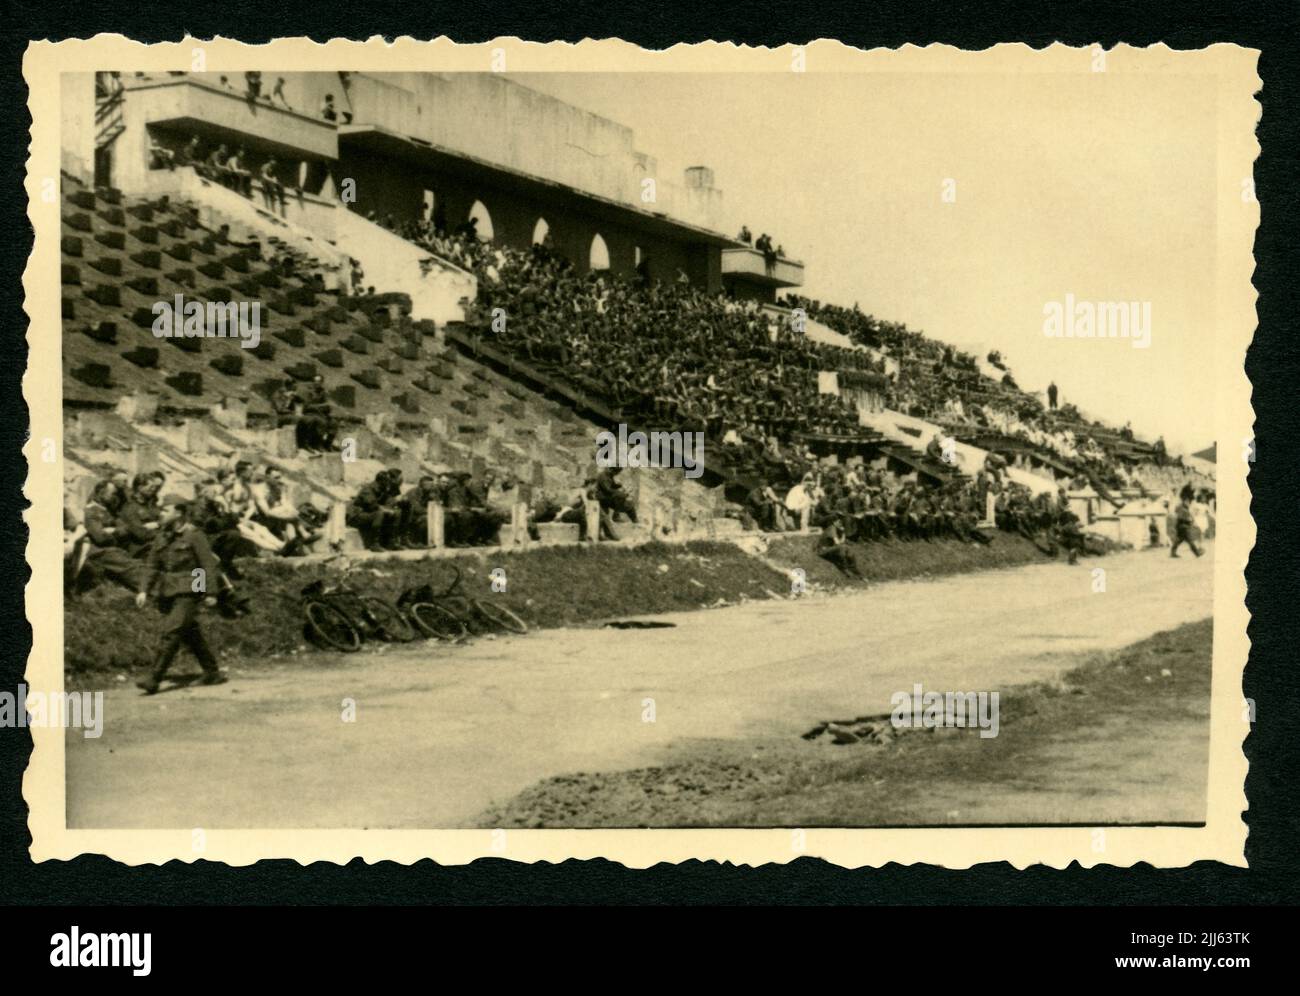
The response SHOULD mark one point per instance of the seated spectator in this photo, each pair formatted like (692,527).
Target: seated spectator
(103,547)
(238,173)
(161,157)
(214,167)
(374,512)
(273,510)
(832,547)
(272,188)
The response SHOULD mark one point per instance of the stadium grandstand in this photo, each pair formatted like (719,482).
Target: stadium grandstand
(447,317)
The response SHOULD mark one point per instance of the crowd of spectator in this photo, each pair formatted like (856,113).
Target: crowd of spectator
(244,510)
(476,506)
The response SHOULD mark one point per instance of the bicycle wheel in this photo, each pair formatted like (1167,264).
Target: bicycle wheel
(329,626)
(437,621)
(388,622)
(499,616)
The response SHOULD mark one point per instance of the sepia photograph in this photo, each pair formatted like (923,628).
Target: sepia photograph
(809,441)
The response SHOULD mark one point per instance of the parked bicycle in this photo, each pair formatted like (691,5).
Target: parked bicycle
(338,616)
(453,615)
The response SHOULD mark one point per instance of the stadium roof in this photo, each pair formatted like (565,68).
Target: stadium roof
(376,139)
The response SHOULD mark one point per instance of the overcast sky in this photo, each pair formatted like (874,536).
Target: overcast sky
(1097,184)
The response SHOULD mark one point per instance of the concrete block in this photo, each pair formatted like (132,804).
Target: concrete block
(139,406)
(232,413)
(557,533)
(198,437)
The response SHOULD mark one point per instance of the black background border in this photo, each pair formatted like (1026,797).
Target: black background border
(1273,573)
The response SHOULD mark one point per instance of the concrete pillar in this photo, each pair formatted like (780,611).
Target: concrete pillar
(232,413)
(91,431)
(336,524)
(286,442)
(197,437)
(144,459)
(519,524)
(990,508)
(592,510)
(435,516)
(139,406)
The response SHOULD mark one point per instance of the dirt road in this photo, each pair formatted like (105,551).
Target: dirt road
(440,734)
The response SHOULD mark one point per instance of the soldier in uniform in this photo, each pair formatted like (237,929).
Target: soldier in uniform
(415,504)
(182,573)
(102,550)
(1183,525)
(374,514)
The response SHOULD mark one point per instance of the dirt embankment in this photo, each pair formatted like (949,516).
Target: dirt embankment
(1122,738)
(548,586)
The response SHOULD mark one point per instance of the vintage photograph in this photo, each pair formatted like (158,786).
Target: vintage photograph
(811,441)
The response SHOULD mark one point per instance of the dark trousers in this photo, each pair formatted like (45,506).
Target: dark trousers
(181,628)
(378,529)
(842,557)
(1184,535)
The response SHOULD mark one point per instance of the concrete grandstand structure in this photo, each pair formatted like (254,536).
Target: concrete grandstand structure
(338,165)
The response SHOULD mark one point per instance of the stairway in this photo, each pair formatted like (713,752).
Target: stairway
(436,287)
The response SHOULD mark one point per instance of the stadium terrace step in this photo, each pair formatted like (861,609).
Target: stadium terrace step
(106,295)
(105,332)
(145,357)
(329,357)
(230,364)
(94,374)
(187,383)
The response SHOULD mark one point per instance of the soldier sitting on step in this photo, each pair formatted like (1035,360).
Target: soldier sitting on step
(375,513)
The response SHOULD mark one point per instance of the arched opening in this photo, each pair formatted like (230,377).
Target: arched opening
(599,254)
(540,231)
(478,215)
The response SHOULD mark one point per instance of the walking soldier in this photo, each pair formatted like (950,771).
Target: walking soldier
(182,571)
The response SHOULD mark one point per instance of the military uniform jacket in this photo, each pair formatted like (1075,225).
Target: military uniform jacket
(172,562)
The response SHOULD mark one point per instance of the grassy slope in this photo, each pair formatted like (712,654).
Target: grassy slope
(1117,740)
(548,586)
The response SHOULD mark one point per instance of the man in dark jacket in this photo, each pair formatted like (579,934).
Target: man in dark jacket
(184,575)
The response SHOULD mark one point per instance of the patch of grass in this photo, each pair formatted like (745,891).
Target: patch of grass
(897,560)
(547,586)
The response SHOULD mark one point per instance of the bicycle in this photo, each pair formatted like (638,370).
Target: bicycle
(341,617)
(452,615)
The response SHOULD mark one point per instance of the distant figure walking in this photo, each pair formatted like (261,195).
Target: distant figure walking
(1051,396)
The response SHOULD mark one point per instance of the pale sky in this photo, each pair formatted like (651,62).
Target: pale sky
(1100,185)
